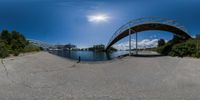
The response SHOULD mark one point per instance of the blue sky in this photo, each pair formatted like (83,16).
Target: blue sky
(66,21)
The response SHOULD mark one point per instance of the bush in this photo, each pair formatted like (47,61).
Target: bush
(189,48)
(198,55)
(14,43)
(3,53)
(30,47)
(3,50)
(179,50)
(161,42)
(164,50)
(16,53)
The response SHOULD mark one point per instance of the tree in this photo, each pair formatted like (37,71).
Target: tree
(6,36)
(176,39)
(14,43)
(161,42)
(20,37)
(3,50)
(99,47)
(187,48)
(18,41)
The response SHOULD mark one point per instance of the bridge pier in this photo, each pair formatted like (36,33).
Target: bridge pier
(136,40)
(136,44)
(129,42)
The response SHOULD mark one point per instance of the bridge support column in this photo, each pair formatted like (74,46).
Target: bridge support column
(136,40)
(136,43)
(129,42)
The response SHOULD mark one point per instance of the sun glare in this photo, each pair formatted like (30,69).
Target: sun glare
(98,18)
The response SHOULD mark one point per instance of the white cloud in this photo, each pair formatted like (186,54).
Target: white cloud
(153,36)
(98,18)
(145,43)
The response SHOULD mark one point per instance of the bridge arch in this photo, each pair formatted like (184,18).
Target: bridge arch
(150,23)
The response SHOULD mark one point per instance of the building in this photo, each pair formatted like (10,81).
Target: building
(66,47)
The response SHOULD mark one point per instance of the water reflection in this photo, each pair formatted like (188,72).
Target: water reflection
(88,55)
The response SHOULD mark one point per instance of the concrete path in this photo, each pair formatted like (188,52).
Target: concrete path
(42,76)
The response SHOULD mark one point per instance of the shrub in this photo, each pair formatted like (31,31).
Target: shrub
(6,36)
(161,42)
(164,49)
(188,48)
(14,43)
(197,55)
(3,50)
(3,53)
(16,53)
(30,47)
(179,50)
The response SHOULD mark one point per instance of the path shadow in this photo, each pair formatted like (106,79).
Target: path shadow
(148,55)
(142,55)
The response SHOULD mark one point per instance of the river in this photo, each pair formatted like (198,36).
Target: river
(88,55)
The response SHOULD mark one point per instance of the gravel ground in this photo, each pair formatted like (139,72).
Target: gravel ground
(42,76)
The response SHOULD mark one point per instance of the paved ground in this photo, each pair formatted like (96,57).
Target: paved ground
(42,76)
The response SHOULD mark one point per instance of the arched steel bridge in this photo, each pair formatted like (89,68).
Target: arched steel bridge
(149,23)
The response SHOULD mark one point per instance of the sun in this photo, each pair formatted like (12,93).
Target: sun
(98,18)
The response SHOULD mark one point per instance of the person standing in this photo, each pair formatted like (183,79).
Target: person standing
(79,59)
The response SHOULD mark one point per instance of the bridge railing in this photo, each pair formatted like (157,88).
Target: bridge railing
(140,21)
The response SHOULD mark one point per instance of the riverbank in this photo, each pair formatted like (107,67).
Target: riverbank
(43,76)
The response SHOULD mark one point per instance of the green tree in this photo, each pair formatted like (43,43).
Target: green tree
(14,43)
(6,36)
(3,49)
(30,47)
(99,47)
(187,48)
(161,42)
(18,41)
(175,40)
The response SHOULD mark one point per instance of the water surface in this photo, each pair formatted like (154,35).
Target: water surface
(88,55)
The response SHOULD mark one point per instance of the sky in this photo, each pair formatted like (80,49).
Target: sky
(89,22)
